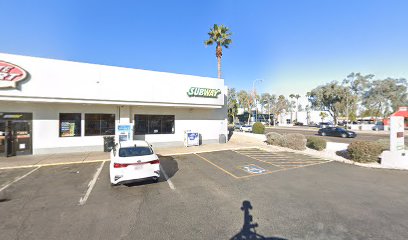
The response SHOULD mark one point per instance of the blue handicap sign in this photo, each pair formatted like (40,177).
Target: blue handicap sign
(254,169)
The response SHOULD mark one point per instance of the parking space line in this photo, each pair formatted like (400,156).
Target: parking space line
(304,163)
(53,164)
(222,169)
(18,179)
(282,169)
(171,185)
(91,185)
(257,159)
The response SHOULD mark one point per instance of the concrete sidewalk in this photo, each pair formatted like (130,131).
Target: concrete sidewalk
(238,140)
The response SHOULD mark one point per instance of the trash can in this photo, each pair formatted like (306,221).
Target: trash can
(108,143)
(222,138)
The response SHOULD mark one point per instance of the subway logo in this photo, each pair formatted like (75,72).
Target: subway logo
(203,92)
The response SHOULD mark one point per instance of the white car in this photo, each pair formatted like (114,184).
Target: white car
(246,128)
(133,160)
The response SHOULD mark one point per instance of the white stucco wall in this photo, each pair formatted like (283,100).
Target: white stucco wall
(45,125)
(56,86)
(54,80)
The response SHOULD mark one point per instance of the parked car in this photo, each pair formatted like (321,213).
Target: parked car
(133,160)
(379,126)
(246,128)
(237,126)
(336,132)
(325,124)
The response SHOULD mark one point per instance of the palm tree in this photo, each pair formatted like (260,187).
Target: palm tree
(297,96)
(221,36)
(291,106)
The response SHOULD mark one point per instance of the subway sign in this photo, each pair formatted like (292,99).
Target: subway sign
(10,75)
(203,92)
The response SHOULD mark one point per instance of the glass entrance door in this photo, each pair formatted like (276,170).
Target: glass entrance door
(22,136)
(15,134)
(2,138)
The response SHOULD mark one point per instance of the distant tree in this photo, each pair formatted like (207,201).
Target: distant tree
(280,106)
(221,36)
(299,109)
(357,85)
(323,115)
(232,103)
(308,110)
(246,101)
(385,96)
(267,100)
(328,97)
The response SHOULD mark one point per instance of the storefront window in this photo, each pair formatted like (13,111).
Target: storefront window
(154,124)
(99,124)
(70,125)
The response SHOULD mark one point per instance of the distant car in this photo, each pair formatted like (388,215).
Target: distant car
(246,128)
(325,125)
(133,160)
(237,126)
(379,126)
(298,124)
(336,132)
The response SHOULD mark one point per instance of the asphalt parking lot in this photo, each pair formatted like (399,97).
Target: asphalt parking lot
(233,194)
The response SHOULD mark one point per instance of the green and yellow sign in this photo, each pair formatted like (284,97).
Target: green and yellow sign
(203,92)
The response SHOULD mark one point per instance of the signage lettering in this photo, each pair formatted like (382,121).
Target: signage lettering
(203,92)
(10,74)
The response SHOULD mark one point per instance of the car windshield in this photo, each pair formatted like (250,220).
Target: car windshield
(135,151)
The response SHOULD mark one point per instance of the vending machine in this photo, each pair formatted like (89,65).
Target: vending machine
(191,138)
(124,132)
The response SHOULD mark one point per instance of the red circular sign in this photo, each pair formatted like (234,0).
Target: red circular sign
(10,74)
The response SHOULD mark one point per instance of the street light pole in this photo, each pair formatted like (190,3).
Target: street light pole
(254,92)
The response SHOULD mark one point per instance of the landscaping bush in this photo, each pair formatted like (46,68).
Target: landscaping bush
(316,143)
(258,128)
(294,141)
(363,151)
(273,138)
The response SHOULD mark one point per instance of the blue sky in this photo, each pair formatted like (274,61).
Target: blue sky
(292,45)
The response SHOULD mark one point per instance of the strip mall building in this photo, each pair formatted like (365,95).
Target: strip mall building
(52,106)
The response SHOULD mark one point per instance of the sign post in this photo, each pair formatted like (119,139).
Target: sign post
(397,133)
(397,156)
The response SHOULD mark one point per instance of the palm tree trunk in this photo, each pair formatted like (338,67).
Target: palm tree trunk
(219,67)
(218,53)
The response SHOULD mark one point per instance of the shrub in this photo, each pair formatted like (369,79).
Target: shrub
(258,128)
(363,151)
(294,141)
(316,143)
(273,138)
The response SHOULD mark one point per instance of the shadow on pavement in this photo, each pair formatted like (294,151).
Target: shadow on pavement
(167,164)
(248,229)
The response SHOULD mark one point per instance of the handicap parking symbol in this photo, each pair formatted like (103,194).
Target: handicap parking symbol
(254,169)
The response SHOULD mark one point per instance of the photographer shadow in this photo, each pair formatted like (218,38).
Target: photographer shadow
(248,230)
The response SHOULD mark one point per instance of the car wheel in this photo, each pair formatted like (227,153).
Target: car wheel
(323,134)
(343,135)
